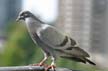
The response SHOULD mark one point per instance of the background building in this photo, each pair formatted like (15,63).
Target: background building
(75,19)
(8,13)
(86,21)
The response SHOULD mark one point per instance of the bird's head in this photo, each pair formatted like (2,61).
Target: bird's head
(23,15)
(27,14)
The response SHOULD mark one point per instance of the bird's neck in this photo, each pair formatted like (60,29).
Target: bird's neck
(33,24)
(32,21)
(37,19)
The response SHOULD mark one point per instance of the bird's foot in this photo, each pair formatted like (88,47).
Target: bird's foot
(52,67)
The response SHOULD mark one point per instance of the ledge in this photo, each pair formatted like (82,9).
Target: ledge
(31,68)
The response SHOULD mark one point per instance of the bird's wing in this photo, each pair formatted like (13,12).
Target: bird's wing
(76,51)
(53,37)
(59,41)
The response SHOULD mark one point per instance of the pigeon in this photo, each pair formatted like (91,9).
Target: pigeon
(53,42)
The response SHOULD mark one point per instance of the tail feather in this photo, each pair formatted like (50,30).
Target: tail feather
(79,59)
(90,62)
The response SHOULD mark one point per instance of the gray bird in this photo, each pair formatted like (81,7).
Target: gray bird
(52,41)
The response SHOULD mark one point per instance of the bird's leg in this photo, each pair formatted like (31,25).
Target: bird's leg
(42,62)
(52,66)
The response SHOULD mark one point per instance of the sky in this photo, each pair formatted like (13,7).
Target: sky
(44,9)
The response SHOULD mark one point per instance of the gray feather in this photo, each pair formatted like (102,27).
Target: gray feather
(79,59)
(73,51)
(51,36)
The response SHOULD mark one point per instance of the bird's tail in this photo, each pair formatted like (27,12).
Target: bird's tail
(90,62)
(79,59)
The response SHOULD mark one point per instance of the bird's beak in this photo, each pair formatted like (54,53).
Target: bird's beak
(19,18)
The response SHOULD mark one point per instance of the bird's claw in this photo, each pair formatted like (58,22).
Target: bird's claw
(52,67)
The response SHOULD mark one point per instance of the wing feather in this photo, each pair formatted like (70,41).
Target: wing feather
(52,36)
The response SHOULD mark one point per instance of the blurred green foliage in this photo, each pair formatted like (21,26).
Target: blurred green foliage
(17,51)
(20,50)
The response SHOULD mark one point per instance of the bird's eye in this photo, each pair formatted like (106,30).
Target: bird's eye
(25,15)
